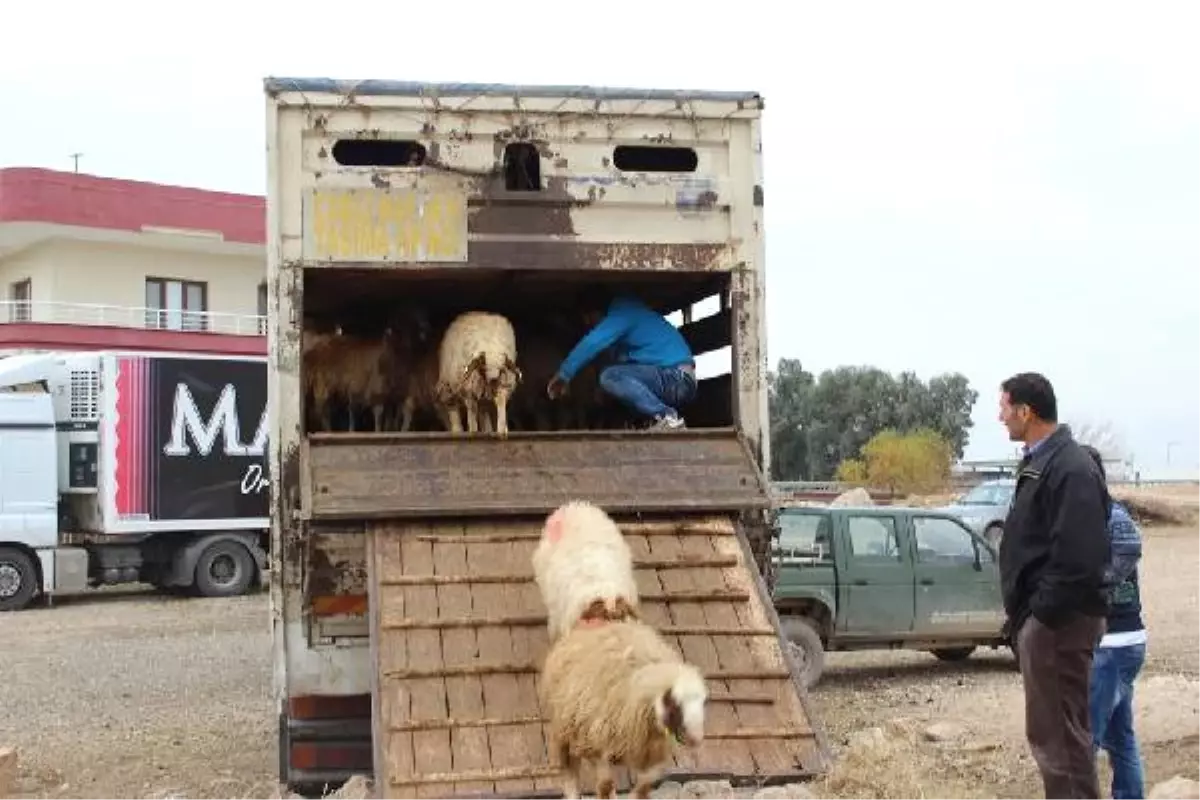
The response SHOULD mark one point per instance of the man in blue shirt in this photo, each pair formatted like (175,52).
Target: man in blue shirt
(655,373)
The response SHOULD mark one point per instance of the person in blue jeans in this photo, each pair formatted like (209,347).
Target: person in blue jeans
(655,373)
(1120,655)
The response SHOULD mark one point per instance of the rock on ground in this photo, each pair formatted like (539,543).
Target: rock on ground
(942,731)
(1177,787)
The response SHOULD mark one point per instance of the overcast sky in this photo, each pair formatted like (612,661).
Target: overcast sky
(947,188)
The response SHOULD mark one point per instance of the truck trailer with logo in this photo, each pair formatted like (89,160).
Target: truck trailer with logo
(130,467)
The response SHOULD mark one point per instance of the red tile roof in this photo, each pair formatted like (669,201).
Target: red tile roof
(67,198)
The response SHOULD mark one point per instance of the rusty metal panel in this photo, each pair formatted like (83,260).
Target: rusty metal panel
(380,476)
(385,225)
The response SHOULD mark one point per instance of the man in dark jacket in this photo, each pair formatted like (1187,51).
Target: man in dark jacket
(1052,561)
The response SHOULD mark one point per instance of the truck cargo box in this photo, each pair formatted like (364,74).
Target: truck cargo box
(394,206)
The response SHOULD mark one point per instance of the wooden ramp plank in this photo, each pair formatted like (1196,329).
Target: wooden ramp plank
(457,659)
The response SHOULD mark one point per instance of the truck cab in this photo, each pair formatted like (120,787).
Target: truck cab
(28,494)
(884,577)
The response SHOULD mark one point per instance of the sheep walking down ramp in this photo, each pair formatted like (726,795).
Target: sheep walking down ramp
(583,568)
(617,693)
(459,639)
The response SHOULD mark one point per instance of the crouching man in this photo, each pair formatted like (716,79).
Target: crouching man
(655,373)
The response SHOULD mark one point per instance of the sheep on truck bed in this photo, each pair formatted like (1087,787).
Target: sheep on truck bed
(409,639)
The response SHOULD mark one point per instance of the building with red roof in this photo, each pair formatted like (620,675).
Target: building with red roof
(99,263)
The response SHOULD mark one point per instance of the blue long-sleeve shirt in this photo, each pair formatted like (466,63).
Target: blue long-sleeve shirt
(640,334)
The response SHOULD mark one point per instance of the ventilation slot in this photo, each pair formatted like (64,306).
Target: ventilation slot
(522,167)
(85,395)
(642,158)
(379,153)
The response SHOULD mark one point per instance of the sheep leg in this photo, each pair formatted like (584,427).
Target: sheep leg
(451,414)
(377,410)
(560,754)
(485,418)
(645,780)
(502,412)
(472,408)
(606,785)
(407,410)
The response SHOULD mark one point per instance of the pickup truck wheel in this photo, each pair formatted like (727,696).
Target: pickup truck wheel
(806,647)
(953,653)
(18,579)
(992,535)
(224,569)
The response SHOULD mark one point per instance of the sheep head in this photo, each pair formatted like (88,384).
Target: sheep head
(679,706)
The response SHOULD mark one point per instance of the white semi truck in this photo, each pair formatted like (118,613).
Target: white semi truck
(131,467)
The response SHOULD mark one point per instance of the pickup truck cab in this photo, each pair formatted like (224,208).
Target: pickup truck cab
(884,577)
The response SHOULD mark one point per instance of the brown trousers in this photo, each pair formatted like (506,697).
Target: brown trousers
(1056,666)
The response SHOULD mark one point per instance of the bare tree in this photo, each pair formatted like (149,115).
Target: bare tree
(1104,437)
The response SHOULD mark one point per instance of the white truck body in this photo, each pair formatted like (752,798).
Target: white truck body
(139,456)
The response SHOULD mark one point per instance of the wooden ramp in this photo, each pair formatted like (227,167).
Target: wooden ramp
(458,635)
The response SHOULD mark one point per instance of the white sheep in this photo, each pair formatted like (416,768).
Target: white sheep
(583,568)
(617,693)
(478,365)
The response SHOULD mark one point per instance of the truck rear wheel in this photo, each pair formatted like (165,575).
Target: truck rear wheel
(224,569)
(806,647)
(18,579)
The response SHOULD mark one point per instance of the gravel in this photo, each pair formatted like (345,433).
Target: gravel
(134,694)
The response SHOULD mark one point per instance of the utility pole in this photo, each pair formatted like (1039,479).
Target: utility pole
(75,157)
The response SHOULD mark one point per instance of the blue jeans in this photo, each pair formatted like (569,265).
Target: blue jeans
(653,391)
(1111,708)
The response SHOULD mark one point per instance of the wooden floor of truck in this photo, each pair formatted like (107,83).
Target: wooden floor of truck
(458,633)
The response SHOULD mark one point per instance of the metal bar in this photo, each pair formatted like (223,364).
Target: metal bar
(529,669)
(454,580)
(416,725)
(532,620)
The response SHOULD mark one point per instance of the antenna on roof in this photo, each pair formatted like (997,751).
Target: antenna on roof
(76,156)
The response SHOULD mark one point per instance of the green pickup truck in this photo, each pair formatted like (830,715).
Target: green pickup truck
(884,577)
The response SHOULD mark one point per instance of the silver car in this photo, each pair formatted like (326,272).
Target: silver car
(984,508)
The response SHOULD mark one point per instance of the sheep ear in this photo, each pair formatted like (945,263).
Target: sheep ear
(554,526)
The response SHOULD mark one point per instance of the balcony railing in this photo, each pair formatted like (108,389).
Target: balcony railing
(154,319)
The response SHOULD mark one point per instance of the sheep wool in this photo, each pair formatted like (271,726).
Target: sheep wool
(617,693)
(583,568)
(478,363)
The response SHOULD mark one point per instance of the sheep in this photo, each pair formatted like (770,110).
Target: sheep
(477,364)
(363,371)
(617,693)
(583,568)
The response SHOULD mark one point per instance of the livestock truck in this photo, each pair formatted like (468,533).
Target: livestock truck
(123,467)
(407,629)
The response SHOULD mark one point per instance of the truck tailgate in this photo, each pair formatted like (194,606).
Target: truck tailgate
(390,476)
(458,635)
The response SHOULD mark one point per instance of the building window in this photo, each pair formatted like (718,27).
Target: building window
(262,309)
(176,305)
(20,301)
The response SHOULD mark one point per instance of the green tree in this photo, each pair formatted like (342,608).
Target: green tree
(816,424)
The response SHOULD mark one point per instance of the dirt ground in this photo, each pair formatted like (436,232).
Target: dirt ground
(138,695)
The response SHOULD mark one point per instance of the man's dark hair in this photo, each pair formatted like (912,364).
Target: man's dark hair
(1099,459)
(593,298)
(1032,389)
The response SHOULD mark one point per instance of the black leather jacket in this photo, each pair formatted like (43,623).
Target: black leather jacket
(1056,544)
